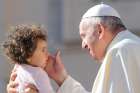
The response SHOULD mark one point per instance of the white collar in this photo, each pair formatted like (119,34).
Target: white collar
(118,37)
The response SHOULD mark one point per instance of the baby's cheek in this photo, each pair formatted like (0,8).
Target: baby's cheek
(47,56)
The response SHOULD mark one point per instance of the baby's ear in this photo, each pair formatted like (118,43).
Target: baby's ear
(29,59)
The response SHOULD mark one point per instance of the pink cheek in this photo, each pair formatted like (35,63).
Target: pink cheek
(46,57)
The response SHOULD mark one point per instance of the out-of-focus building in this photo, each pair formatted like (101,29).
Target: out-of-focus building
(61,18)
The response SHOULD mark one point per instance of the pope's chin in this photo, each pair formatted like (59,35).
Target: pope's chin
(96,58)
(93,55)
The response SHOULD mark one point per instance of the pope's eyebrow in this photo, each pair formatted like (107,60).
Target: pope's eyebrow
(82,34)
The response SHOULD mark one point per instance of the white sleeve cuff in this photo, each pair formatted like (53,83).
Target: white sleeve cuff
(71,86)
(67,86)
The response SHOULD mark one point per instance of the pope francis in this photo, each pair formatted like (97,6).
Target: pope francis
(111,43)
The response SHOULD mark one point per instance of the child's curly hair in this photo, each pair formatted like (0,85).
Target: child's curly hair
(22,42)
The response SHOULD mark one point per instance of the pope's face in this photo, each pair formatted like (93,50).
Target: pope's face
(91,41)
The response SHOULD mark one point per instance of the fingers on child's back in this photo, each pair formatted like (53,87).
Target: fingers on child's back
(13,76)
(12,90)
(11,87)
(30,88)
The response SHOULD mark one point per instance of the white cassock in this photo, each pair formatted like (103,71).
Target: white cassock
(27,74)
(119,72)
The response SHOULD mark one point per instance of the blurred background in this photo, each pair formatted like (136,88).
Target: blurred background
(61,19)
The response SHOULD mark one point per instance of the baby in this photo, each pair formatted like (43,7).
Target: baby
(26,46)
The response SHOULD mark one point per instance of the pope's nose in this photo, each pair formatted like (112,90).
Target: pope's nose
(84,45)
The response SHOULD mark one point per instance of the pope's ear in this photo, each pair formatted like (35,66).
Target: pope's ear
(101,31)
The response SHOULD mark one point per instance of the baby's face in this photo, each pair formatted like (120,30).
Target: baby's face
(40,55)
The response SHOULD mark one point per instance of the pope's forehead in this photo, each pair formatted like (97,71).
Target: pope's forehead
(85,23)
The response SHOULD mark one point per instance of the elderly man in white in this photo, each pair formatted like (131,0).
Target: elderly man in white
(108,41)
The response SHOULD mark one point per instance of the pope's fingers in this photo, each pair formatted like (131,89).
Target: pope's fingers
(13,76)
(12,90)
(58,53)
(11,87)
(30,88)
(58,59)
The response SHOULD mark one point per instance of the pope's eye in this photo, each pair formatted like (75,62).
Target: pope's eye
(82,36)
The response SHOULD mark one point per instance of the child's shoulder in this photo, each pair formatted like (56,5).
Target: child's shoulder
(35,76)
(31,74)
(30,70)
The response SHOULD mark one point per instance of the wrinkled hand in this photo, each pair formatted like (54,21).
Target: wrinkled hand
(11,86)
(56,69)
(31,89)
